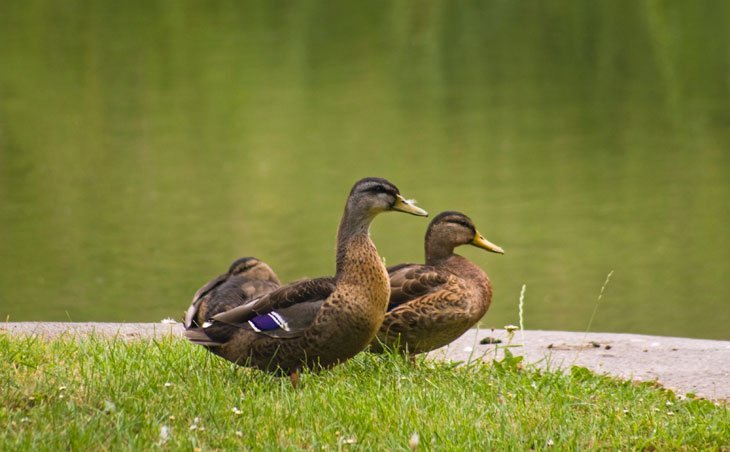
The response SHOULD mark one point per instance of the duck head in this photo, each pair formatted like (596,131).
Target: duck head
(451,229)
(375,195)
(252,268)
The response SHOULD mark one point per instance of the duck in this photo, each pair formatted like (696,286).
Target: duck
(247,278)
(434,303)
(315,323)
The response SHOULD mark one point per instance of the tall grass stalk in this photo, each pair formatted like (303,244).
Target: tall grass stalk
(521,305)
(598,302)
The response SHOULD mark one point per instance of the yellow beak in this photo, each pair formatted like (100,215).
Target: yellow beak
(404,205)
(481,242)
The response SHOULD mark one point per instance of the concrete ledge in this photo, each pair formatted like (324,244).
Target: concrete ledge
(684,365)
(122,330)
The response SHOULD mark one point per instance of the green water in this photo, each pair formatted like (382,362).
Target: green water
(144,145)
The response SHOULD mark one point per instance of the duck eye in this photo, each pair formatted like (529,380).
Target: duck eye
(377,189)
(461,223)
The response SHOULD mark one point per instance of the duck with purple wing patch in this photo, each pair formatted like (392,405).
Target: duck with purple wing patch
(319,322)
(433,304)
(246,279)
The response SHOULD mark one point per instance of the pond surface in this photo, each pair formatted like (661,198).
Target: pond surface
(144,145)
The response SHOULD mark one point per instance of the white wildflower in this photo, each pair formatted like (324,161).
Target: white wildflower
(550,442)
(164,434)
(413,442)
(236,411)
(239,433)
(167,384)
(348,440)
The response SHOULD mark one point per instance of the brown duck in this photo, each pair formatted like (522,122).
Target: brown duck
(433,304)
(315,322)
(246,279)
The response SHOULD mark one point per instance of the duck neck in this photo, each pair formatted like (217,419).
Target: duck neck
(438,251)
(353,225)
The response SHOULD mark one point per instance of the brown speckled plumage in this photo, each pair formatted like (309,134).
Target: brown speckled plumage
(325,320)
(433,304)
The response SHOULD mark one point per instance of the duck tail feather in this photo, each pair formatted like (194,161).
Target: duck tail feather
(198,336)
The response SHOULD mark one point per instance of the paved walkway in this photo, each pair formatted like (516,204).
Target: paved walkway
(698,366)
(684,365)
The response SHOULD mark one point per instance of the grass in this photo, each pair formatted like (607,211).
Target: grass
(98,393)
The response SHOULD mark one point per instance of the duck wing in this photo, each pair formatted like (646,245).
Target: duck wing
(411,281)
(191,315)
(222,294)
(284,313)
(209,287)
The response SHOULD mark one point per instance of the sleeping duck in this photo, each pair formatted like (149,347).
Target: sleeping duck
(246,279)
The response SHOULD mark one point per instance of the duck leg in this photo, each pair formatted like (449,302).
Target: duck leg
(294,378)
